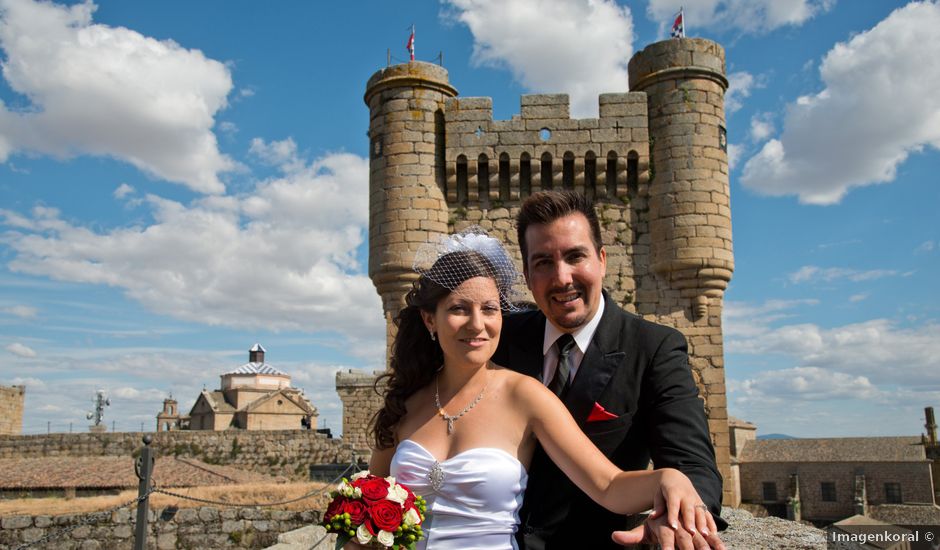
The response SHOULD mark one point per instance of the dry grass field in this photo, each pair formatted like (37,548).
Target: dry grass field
(254,493)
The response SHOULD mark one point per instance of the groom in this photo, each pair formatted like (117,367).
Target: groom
(625,380)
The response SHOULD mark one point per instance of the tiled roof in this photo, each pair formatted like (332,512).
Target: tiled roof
(290,394)
(217,400)
(107,472)
(256,368)
(906,514)
(840,449)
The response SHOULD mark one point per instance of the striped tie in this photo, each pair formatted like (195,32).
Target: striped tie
(559,382)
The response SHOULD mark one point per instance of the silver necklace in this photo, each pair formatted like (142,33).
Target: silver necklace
(440,408)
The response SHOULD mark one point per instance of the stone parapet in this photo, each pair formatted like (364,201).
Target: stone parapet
(287,453)
(205,528)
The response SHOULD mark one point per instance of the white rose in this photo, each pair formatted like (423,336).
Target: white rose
(344,489)
(411,517)
(390,480)
(385,538)
(363,535)
(397,493)
(359,475)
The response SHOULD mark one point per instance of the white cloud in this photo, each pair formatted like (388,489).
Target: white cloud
(740,84)
(579,47)
(123,190)
(21,311)
(743,319)
(734,154)
(110,91)
(855,298)
(20,350)
(749,16)
(879,349)
(283,257)
(762,126)
(812,273)
(801,384)
(925,247)
(861,126)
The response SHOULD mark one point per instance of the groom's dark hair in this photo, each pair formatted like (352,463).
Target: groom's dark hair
(547,206)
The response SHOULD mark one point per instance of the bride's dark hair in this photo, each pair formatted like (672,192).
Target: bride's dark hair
(415,357)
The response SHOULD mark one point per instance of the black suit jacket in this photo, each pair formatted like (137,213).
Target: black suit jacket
(640,372)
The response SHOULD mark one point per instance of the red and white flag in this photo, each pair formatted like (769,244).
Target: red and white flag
(678,26)
(411,43)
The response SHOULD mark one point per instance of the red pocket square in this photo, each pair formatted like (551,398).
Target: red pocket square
(599,413)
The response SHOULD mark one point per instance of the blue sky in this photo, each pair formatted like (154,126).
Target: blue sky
(180,180)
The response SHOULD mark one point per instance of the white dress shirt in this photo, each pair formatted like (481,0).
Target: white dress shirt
(582,339)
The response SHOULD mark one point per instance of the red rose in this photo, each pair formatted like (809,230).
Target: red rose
(410,501)
(373,488)
(356,510)
(386,515)
(336,507)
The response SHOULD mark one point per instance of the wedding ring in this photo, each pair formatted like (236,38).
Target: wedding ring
(703,507)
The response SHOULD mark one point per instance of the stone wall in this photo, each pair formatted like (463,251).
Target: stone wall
(277,453)
(11,409)
(187,528)
(914,477)
(360,403)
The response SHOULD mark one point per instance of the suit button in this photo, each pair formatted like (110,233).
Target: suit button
(528,530)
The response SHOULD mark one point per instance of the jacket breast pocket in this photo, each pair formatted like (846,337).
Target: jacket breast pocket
(608,434)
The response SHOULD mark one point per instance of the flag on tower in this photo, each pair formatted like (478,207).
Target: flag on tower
(678,26)
(411,43)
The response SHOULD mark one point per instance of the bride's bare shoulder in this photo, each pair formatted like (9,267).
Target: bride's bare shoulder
(521,385)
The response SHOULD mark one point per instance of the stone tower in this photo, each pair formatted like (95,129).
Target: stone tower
(654,161)
(11,409)
(689,208)
(406,199)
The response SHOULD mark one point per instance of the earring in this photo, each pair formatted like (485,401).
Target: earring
(433,336)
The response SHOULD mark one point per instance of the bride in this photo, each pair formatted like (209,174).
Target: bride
(461,431)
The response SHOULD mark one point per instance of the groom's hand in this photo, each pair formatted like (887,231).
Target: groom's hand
(657,531)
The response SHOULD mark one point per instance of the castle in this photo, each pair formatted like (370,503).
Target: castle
(655,161)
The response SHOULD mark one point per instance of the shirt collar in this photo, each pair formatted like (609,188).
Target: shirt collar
(582,336)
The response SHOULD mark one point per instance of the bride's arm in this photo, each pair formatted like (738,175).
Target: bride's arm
(612,488)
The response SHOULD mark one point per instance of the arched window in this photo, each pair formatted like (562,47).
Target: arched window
(504,177)
(590,175)
(525,175)
(483,178)
(462,180)
(567,170)
(633,173)
(546,171)
(612,174)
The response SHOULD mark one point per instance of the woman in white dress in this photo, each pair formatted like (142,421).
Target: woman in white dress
(461,431)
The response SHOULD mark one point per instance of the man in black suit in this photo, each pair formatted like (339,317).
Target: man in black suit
(625,380)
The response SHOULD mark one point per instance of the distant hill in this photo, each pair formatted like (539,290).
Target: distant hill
(776,436)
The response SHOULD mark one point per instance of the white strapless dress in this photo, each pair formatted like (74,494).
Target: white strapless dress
(473,498)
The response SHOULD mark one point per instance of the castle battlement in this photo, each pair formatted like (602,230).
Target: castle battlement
(495,161)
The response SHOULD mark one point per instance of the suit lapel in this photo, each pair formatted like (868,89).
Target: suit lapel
(601,360)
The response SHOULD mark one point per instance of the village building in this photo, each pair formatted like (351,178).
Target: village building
(254,396)
(826,480)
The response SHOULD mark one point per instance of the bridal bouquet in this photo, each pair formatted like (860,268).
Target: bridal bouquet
(372,509)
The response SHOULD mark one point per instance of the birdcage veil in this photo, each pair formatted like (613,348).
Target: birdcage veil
(450,260)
